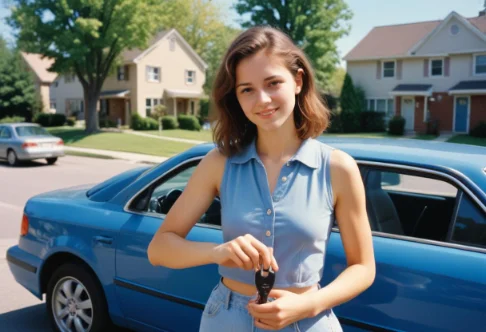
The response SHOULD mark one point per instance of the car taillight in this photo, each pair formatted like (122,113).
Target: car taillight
(61,142)
(24,228)
(29,145)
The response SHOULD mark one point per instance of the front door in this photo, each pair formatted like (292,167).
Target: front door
(461,114)
(408,109)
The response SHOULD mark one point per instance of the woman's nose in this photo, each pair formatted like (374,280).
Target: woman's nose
(264,97)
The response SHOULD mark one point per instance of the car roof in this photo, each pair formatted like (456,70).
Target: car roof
(20,124)
(469,160)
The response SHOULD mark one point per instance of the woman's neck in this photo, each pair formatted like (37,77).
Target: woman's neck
(278,145)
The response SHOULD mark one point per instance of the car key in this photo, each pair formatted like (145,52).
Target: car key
(264,284)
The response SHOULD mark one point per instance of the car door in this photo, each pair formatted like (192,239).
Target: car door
(4,138)
(159,297)
(430,267)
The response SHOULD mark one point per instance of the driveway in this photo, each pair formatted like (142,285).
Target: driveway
(20,310)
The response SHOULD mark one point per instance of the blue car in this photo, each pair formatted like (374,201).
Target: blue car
(86,247)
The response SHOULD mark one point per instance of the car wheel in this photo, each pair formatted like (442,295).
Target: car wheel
(51,161)
(12,158)
(75,300)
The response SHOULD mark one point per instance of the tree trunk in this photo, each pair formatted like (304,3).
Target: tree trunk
(91,97)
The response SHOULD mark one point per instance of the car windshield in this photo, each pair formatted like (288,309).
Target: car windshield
(31,131)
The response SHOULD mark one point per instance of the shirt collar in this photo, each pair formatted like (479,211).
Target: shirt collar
(307,154)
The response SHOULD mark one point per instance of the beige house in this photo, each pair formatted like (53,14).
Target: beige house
(425,71)
(168,72)
(43,78)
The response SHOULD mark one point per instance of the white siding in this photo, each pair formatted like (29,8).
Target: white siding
(65,91)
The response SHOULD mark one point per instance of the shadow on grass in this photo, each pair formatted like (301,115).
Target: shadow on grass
(70,135)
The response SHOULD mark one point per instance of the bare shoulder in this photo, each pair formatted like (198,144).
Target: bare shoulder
(345,174)
(212,166)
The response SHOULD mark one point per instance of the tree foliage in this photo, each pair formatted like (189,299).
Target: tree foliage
(314,25)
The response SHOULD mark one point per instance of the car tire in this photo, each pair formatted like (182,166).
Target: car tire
(12,158)
(51,161)
(75,298)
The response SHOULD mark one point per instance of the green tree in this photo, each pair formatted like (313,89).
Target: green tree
(201,23)
(336,81)
(350,106)
(314,25)
(18,96)
(84,37)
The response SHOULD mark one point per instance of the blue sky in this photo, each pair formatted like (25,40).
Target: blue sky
(367,14)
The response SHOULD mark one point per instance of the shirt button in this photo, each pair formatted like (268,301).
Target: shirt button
(284,179)
(268,233)
(269,212)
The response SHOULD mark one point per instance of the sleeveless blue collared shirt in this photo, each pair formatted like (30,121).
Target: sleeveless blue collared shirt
(296,220)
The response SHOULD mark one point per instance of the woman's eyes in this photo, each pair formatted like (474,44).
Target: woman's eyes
(271,84)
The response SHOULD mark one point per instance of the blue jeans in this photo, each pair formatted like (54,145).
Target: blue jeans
(226,311)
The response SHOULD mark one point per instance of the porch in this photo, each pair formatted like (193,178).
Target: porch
(182,102)
(115,106)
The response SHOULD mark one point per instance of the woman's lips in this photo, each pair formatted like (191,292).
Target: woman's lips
(267,114)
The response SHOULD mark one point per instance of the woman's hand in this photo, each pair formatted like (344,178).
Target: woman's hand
(244,252)
(287,308)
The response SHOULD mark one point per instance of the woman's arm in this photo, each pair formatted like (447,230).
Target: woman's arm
(168,246)
(354,227)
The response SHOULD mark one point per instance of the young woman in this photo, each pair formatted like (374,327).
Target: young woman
(280,190)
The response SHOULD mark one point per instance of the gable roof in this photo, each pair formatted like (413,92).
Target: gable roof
(399,40)
(134,55)
(40,66)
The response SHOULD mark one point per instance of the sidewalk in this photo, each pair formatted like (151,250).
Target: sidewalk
(165,138)
(135,157)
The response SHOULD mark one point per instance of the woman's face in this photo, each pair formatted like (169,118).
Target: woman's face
(266,90)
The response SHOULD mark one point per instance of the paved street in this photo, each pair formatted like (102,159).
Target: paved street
(19,310)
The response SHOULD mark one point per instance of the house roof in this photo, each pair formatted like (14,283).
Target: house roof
(40,66)
(135,55)
(468,87)
(412,89)
(397,40)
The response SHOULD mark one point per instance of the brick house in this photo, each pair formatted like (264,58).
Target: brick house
(423,71)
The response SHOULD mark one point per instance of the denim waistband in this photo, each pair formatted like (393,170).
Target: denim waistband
(228,297)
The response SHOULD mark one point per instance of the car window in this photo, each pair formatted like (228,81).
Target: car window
(409,205)
(31,131)
(470,225)
(5,132)
(165,193)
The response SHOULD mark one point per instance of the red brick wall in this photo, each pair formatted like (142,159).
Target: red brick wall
(117,110)
(419,125)
(478,111)
(442,110)
(398,105)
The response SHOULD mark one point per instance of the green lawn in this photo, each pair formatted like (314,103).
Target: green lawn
(119,142)
(203,135)
(465,139)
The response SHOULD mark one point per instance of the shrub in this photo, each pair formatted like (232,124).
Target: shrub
(433,127)
(372,121)
(335,125)
(71,121)
(479,130)
(350,121)
(12,119)
(50,120)
(107,123)
(188,122)
(169,122)
(139,123)
(397,126)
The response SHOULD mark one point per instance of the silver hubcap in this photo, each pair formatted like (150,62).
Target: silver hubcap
(71,305)
(11,158)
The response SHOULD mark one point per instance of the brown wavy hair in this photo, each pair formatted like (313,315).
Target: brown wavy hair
(232,130)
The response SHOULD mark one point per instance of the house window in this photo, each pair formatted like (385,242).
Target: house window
(122,73)
(153,74)
(436,67)
(385,105)
(68,78)
(52,104)
(150,104)
(192,107)
(190,76)
(389,69)
(55,84)
(480,64)
(75,106)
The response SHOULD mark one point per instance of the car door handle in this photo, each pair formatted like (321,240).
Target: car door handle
(103,239)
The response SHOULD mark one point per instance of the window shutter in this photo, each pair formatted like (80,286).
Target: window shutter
(399,69)
(126,73)
(378,70)
(447,65)
(426,67)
